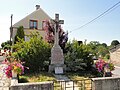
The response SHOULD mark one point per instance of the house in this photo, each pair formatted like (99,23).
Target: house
(115,55)
(32,22)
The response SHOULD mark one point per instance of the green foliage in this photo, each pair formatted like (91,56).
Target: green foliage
(102,51)
(37,77)
(78,57)
(115,42)
(35,52)
(20,33)
(2,45)
(104,44)
(98,49)
(6,45)
(107,56)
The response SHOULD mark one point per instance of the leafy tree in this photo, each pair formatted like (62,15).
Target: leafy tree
(3,44)
(35,53)
(102,51)
(20,33)
(98,49)
(78,57)
(6,45)
(104,44)
(50,33)
(115,42)
(93,46)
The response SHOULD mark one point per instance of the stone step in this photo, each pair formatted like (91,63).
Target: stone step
(62,77)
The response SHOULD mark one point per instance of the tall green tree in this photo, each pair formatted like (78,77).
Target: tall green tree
(20,33)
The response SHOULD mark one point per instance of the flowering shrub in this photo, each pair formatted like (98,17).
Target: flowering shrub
(101,65)
(13,65)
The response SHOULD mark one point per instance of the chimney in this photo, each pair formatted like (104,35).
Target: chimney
(37,7)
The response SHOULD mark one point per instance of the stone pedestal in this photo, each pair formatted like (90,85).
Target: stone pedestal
(57,60)
(14,79)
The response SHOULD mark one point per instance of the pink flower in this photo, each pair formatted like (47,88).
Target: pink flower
(13,64)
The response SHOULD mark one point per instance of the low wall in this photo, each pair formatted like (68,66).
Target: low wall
(106,83)
(33,86)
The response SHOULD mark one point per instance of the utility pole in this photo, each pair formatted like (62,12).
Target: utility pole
(11,28)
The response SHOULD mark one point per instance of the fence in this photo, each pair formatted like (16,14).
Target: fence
(84,84)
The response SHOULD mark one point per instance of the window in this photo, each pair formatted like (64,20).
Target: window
(33,24)
(43,25)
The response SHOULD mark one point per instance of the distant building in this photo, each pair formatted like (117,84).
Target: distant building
(115,55)
(32,22)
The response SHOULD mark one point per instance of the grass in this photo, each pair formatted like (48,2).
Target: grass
(45,76)
(38,77)
(80,75)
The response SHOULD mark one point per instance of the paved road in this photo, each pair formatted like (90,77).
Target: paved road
(116,72)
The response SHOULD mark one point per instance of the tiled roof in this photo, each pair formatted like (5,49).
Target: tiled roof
(113,49)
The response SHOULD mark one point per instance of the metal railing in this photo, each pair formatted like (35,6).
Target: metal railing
(84,84)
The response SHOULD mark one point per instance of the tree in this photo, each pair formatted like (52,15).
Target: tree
(49,28)
(98,49)
(20,33)
(104,44)
(93,46)
(6,45)
(35,53)
(115,42)
(102,50)
(78,57)
(3,44)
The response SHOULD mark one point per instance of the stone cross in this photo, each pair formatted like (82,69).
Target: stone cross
(57,22)
(57,57)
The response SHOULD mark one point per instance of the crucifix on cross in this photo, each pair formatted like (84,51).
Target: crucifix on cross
(56,24)
(57,58)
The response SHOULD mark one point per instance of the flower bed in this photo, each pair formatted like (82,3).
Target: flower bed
(104,68)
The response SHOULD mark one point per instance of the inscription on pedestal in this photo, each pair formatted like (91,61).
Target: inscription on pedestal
(58,70)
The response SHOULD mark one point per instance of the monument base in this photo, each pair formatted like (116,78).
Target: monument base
(57,68)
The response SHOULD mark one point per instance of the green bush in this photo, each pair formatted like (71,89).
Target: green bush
(78,57)
(35,53)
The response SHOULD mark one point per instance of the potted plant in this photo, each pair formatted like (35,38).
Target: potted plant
(14,68)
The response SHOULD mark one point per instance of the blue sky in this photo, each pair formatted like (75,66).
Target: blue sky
(75,13)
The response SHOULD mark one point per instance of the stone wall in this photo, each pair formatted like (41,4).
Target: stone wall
(33,86)
(106,83)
